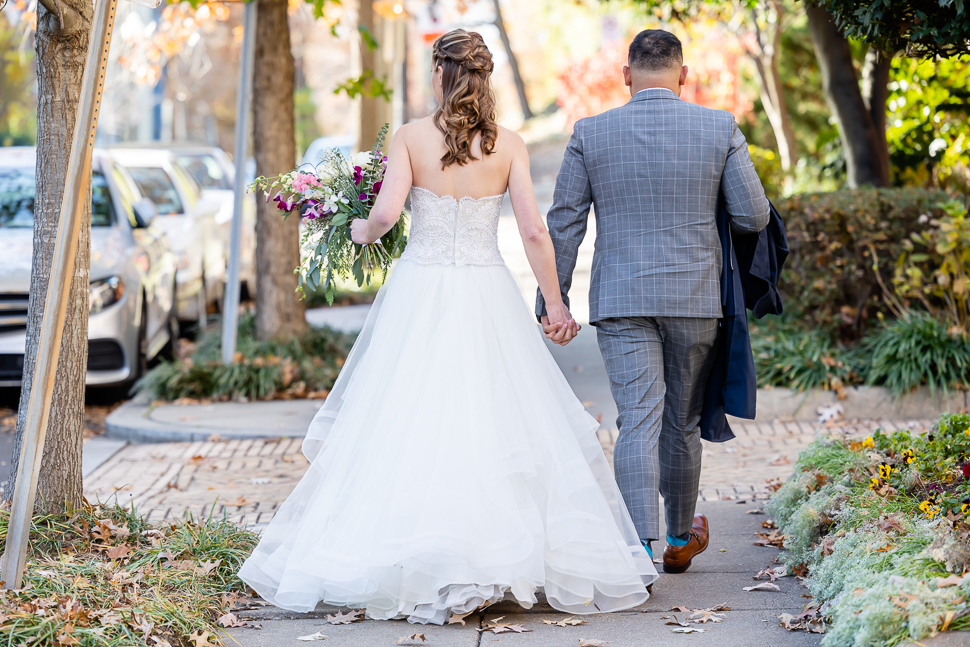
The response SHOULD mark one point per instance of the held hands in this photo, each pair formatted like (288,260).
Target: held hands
(559,326)
(358,232)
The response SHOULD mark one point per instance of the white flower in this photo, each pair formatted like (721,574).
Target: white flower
(360,159)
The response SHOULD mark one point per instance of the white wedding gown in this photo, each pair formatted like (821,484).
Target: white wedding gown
(451,463)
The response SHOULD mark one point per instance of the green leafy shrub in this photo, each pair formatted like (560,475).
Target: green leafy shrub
(828,278)
(914,350)
(303,367)
(787,355)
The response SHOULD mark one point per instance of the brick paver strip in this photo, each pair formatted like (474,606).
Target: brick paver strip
(248,479)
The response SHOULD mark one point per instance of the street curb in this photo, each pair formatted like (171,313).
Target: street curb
(131,422)
(869,402)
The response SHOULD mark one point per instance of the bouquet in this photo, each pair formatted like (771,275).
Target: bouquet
(328,198)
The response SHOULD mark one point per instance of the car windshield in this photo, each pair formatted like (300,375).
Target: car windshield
(17,188)
(156,185)
(206,171)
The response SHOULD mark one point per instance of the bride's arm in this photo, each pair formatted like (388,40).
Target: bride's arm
(538,244)
(390,201)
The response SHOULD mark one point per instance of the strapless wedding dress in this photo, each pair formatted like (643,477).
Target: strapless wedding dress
(452,463)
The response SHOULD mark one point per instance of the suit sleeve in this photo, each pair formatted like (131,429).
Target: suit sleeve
(744,196)
(567,219)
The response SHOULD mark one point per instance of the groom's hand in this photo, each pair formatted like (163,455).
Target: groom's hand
(561,332)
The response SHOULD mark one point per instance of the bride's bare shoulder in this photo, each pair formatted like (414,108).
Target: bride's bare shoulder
(509,140)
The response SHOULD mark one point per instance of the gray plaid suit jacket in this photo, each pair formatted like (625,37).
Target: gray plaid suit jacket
(653,168)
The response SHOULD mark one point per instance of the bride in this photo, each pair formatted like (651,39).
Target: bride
(452,464)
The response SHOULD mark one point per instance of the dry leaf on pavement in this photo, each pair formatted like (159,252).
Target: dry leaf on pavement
(346,618)
(705,615)
(568,622)
(316,636)
(591,642)
(231,620)
(774,538)
(688,630)
(459,618)
(676,622)
(497,627)
(764,586)
(413,638)
(681,609)
(771,573)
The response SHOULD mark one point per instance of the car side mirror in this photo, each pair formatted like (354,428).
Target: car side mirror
(145,212)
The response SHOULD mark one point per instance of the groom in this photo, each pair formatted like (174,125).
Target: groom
(653,170)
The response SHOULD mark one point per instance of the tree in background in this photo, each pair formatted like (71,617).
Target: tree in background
(279,313)
(513,62)
(18,110)
(61,46)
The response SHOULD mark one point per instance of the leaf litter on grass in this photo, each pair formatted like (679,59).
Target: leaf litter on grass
(102,575)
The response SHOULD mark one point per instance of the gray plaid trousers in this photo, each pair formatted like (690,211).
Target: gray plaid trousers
(658,368)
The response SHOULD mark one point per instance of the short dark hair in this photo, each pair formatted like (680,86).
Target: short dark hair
(654,50)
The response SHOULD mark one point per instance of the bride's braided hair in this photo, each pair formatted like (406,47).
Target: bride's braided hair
(468,103)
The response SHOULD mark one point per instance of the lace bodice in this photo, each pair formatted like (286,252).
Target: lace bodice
(445,231)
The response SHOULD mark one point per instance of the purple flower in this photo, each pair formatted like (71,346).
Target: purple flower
(362,197)
(377,187)
(358,175)
(286,206)
(966,470)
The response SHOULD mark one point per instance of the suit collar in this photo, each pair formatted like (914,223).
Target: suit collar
(654,93)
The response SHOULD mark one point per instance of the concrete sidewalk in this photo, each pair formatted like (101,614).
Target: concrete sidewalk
(718,576)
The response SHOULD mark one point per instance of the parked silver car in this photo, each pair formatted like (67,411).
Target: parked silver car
(132,313)
(188,220)
(215,173)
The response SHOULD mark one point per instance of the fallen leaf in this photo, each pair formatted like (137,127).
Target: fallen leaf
(118,552)
(677,622)
(688,630)
(230,620)
(206,567)
(240,502)
(459,619)
(755,511)
(411,639)
(774,538)
(702,616)
(316,636)
(951,580)
(80,582)
(949,618)
(346,618)
(500,628)
(568,622)
(768,523)
(764,586)
(200,638)
(161,642)
(771,573)
(680,609)
(591,642)
(890,523)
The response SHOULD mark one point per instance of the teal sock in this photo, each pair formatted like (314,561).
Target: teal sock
(646,545)
(677,541)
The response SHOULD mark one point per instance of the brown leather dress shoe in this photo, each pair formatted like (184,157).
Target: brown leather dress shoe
(677,559)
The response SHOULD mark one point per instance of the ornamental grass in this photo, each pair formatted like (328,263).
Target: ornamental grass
(881,527)
(103,576)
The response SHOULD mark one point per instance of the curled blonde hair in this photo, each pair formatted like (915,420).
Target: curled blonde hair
(467,103)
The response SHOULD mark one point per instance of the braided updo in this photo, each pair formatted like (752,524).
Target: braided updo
(468,103)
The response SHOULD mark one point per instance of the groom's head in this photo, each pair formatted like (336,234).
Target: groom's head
(656,60)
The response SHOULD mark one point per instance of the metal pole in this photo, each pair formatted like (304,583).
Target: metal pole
(58,294)
(230,309)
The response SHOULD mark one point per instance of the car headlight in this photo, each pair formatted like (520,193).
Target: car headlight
(105,293)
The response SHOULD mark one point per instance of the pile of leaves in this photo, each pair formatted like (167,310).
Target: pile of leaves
(264,370)
(103,576)
(880,526)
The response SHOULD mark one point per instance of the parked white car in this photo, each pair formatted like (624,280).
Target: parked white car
(344,143)
(132,309)
(215,173)
(189,221)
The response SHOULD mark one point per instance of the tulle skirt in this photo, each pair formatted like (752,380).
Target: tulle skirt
(452,464)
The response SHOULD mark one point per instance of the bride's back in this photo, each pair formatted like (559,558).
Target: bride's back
(486,175)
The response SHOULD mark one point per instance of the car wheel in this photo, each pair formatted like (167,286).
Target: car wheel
(139,363)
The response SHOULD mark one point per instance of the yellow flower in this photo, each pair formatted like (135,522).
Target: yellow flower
(885,470)
(908,456)
(929,510)
(965,508)
(873,483)
(868,443)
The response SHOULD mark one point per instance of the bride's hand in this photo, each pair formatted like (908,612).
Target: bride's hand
(559,325)
(358,232)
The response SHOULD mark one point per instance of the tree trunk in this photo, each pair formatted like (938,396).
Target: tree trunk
(875,93)
(374,111)
(513,62)
(279,312)
(860,139)
(60,65)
